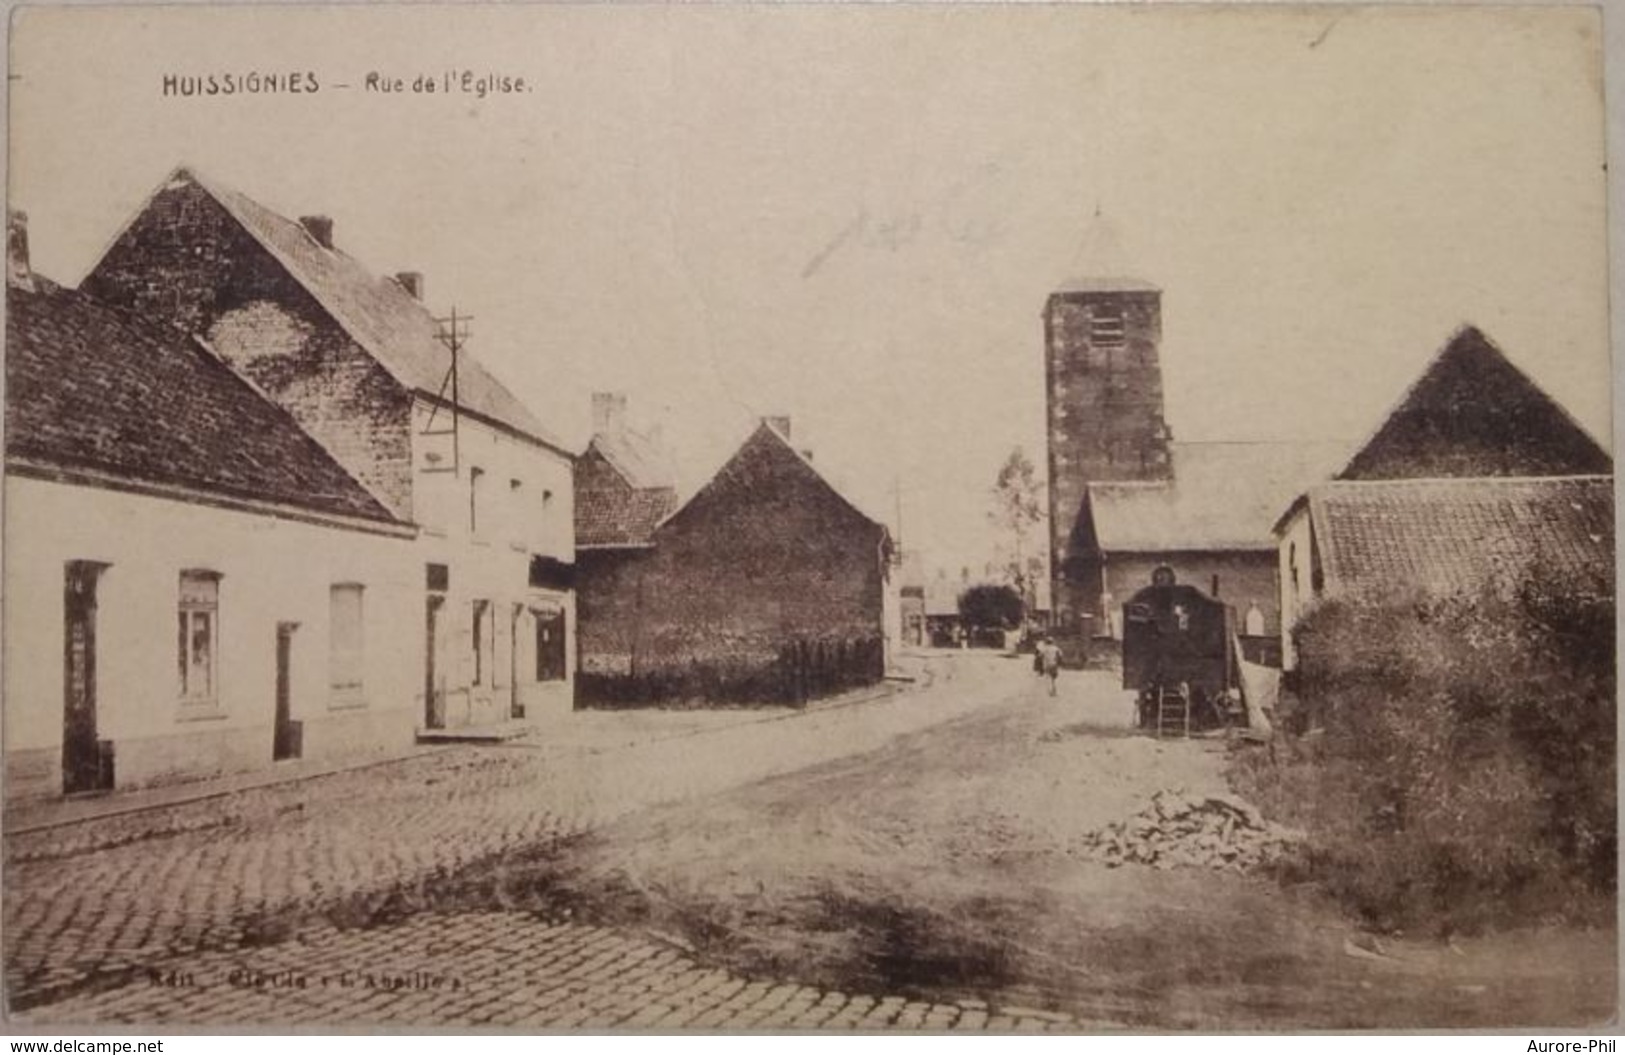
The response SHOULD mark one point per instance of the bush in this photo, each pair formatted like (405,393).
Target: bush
(1460,771)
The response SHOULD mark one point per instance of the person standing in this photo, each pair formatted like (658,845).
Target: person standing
(1049,656)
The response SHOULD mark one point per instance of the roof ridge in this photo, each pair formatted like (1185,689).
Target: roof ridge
(787,445)
(1464,332)
(1405,481)
(253,217)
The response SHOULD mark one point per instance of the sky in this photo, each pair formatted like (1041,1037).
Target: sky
(853,215)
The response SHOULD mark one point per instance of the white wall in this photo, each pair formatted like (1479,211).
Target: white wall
(488,558)
(272,570)
(1297,579)
(538,516)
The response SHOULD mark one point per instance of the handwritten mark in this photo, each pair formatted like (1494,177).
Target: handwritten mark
(964,215)
(1321,39)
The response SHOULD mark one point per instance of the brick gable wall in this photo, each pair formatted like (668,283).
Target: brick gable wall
(185,260)
(765,558)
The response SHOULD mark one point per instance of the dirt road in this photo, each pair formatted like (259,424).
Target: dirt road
(946,865)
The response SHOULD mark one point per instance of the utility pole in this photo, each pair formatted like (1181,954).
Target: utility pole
(453,332)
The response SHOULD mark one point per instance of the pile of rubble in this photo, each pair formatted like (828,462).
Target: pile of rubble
(1191,831)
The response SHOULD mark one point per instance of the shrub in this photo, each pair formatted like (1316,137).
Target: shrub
(1460,771)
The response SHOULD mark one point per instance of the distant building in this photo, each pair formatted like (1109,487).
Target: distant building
(944,627)
(1125,498)
(1476,479)
(624,490)
(194,585)
(767,585)
(355,359)
(911,600)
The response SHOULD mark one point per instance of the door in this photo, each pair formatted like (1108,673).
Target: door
(287,734)
(434,697)
(550,646)
(86,762)
(516,707)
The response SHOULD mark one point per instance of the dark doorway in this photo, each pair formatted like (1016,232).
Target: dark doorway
(516,706)
(288,735)
(87,762)
(434,698)
(550,646)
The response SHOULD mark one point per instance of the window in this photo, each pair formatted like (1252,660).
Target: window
(480,610)
(516,512)
(476,476)
(346,640)
(198,647)
(1106,326)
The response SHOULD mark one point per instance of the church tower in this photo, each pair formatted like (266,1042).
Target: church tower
(1103,382)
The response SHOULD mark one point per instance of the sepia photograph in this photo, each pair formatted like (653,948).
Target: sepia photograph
(797,518)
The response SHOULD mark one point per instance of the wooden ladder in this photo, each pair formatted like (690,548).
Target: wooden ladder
(1173,711)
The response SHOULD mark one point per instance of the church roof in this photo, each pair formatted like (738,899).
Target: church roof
(1223,496)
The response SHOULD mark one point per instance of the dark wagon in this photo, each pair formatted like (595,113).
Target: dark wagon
(1177,655)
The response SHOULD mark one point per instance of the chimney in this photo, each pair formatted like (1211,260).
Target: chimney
(779,424)
(319,228)
(608,413)
(18,273)
(411,281)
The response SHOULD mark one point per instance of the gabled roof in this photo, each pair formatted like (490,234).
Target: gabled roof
(386,320)
(94,391)
(1223,496)
(767,437)
(636,457)
(611,509)
(942,596)
(1453,536)
(1472,413)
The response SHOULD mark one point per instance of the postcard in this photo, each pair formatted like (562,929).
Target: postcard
(785,518)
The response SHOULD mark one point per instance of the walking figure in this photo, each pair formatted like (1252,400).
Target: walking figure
(1049,657)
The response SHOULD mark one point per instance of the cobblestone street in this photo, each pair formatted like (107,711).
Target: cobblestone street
(504,970)
(95,905)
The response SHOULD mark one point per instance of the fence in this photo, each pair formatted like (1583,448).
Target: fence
(804,669)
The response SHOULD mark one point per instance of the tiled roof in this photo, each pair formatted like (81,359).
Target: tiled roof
(1223,496)
(636,457)
(1458,535)
(609,511)
(90,388)
(386,320)
(767,438)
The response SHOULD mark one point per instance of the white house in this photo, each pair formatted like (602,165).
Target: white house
(192,584)
(438,441)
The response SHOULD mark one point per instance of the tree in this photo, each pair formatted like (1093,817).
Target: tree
(1018,509)
(992,606)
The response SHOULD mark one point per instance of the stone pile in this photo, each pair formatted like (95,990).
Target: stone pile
(1178,830)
